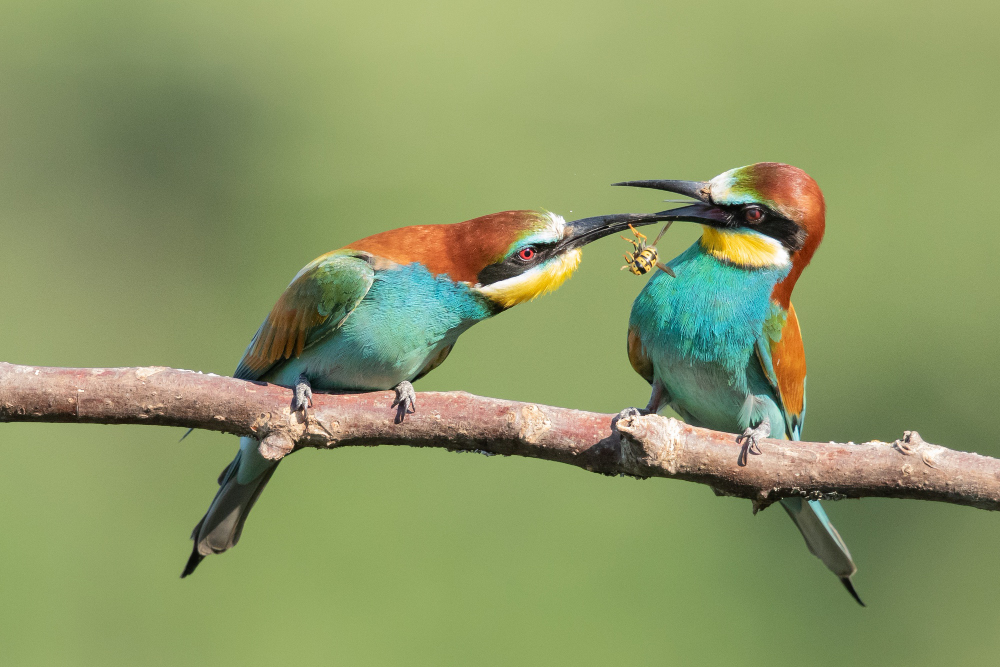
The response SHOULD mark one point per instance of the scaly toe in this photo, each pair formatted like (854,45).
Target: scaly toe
(406,400)
(303,396)
(750,439)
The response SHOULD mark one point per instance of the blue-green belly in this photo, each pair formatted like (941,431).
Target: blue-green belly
(699,330)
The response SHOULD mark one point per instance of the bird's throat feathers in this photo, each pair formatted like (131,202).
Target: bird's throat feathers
(534,283)
(744,248)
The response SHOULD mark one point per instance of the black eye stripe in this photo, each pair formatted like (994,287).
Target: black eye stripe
(778,227)
(515,265)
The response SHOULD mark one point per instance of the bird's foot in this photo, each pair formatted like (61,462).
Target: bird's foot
(657,398)
(750,440)
(406,400)
(303,396)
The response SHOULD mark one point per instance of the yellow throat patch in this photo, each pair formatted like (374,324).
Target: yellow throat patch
(536,282)
(744,248)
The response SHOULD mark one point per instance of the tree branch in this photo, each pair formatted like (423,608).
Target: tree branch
(647,446)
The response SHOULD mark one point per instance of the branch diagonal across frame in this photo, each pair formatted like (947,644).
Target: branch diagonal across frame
(642,446)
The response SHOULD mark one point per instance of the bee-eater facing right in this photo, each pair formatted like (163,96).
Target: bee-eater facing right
(720,342)
(383,312)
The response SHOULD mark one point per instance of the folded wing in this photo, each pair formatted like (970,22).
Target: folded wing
(314,305)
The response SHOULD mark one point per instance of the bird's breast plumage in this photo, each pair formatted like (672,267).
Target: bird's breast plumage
(710,312)
(699,329)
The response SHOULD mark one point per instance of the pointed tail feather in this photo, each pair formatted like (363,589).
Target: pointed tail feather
(850,589)
(823,540)
(222,524)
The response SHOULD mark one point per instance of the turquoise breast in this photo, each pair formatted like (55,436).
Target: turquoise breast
(699,331)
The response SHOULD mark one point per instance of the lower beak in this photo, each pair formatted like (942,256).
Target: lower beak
(702,212)
(705,214)
(581,232)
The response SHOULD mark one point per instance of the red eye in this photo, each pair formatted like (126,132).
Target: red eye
(753,214)
(526,254)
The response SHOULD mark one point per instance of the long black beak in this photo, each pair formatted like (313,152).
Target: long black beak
(581,232)
(702,212)
(693,189)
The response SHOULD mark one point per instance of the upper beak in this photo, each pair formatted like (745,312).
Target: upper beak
(693,189)
(581,232)
(703,212)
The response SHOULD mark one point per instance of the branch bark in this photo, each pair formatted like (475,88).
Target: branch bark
(644,446)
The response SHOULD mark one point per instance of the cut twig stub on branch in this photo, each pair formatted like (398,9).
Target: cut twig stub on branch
(276,445)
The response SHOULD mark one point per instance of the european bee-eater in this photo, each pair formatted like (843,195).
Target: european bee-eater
(385,311)
(720,342)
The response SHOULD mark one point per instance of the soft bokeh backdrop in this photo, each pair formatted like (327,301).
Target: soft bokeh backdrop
(167,167)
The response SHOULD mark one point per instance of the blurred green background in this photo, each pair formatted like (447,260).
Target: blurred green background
(167,167)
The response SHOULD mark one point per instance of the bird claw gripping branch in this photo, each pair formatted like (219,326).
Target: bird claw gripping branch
(303,396)
(405,402)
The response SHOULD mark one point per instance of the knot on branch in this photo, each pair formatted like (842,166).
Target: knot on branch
(280,434)
(650,444)
(912,444)
(276,446)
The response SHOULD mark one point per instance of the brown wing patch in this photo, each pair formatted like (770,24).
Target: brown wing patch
(284,332)
(460,250)
(789,360)
(637,357)
(312,306)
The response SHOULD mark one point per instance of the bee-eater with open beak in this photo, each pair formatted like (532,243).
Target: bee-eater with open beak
(385,311)
(720,342)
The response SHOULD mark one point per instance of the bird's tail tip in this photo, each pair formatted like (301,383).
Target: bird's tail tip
(850,589)
(192,563)
(220,528)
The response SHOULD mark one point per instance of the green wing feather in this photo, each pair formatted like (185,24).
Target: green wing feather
(314,305)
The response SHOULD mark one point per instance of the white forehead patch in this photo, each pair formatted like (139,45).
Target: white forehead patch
(557,221)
